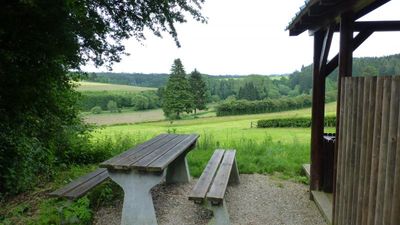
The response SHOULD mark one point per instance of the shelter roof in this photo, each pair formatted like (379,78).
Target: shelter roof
(316,14)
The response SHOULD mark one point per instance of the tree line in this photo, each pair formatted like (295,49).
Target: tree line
(258,87)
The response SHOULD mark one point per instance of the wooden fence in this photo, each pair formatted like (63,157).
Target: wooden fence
(368,159)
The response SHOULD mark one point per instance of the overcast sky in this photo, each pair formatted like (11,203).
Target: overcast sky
(245,37)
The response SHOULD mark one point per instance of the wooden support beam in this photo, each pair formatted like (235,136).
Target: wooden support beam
(375,26)
(318,104)
(325,50)
(357,41)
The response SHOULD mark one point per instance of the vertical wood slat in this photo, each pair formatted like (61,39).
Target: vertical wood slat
(383,150)
(395,212)
(375,152)
(339,161)
(368,166)
(391,149)
(368,149)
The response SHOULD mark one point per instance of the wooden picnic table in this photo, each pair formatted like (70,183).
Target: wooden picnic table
(139,169)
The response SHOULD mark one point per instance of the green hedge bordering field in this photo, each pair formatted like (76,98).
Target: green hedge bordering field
(330,121)
(241,107)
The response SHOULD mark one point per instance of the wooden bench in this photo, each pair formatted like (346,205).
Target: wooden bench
(210,189)
(82,185)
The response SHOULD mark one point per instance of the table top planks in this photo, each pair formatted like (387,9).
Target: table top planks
(153,155)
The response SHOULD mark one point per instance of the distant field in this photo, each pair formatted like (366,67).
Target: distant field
(93,86)
(219,128)
(133,117)
(204,117)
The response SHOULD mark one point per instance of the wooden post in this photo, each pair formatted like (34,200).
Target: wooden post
(318,108)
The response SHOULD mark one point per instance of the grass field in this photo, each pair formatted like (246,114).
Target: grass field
(270,150)
(94,86)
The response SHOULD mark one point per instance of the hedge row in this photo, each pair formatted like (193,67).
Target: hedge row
(330,121)
(141,100)
(240,107)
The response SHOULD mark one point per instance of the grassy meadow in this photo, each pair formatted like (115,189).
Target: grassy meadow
(94,87)
(279,151)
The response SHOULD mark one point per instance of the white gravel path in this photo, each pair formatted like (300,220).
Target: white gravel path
(258,200)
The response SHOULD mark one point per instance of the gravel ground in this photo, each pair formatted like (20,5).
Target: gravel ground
(258,200)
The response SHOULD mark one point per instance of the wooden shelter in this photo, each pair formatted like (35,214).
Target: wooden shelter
(322,18)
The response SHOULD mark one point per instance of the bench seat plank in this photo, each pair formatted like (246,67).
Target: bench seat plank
(163,161)
(82,185)
(218,187)
(203,184)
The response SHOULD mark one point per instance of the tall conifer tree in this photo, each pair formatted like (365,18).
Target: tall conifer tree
(198,89)
(177,95)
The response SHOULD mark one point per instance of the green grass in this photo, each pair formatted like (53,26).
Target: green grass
(271,150)
(95,87)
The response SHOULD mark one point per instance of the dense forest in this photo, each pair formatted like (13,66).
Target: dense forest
(258,87)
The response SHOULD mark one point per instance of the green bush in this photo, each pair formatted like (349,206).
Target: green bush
(241,107)
(329,121)
(112,106)
(96,110)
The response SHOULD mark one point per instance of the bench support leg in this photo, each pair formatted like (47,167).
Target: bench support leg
(234,176)
(178,171)
(138,208)
(221,216)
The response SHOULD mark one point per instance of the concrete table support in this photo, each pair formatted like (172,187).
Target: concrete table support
(138,208)
(178,171)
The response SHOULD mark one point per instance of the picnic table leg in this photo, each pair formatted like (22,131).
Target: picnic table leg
(138,208)
(178,171)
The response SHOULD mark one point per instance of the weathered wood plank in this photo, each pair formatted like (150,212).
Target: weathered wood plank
(159,152)
(363,146)
(375,151)
(348,133)
(340,155)
(391,149)
(87,186)
(218,187)
(162,162)
(357,147)
(381,177)
(81,185)
(135,151)
(395,213)
(203,184)
(368,149)
(128,162)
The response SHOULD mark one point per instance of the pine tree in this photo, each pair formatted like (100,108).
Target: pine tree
(199,90)
(177,95)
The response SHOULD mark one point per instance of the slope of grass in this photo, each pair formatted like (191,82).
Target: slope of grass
(93,86)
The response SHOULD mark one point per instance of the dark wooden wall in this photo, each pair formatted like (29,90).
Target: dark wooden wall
(368,160)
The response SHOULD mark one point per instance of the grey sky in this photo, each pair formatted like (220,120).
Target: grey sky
(245,37)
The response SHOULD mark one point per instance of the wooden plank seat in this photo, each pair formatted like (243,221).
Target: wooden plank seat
(210,189)
(81,185)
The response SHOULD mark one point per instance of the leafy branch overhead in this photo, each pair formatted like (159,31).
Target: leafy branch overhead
(102,25)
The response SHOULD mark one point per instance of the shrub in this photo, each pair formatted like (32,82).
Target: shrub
(96,110)
(330,121)
(112,106)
